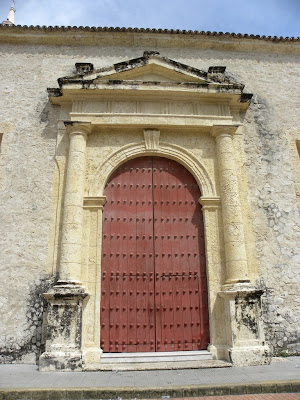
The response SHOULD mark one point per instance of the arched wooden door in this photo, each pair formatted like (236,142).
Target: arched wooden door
(153,284)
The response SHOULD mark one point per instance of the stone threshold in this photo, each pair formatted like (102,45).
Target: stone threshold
(148,366)
(291,386)
(157,361)
(156,357)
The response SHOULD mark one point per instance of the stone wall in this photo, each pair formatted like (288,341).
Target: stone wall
(268,173)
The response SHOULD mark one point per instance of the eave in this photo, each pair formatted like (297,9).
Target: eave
(145,37)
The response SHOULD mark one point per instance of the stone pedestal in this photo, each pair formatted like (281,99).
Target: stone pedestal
(65,300)
(245,335)
(64,326)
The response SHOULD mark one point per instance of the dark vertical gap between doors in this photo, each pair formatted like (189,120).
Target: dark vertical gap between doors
(154,258)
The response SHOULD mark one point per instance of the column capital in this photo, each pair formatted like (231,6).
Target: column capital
(77,127)
(217,130)
(94,203)
(210,203)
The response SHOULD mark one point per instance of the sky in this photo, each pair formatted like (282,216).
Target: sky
(259,17)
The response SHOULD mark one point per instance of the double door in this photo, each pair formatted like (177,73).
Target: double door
(153,279)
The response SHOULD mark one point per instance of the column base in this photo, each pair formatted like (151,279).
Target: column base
(242,356)
(252,355)
(92,358)
(61,361)
(238,287)
(218,352)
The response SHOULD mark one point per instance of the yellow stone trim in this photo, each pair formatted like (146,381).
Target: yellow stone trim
(78,128)
(210,203)
(151,138)
(174,152)
(94,202)
(218,130)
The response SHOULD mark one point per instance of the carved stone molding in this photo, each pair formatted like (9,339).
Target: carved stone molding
(210,203)
(94,202)
(77,127)
(217,130)
(168,150)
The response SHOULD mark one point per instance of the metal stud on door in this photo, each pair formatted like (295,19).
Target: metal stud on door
(154,293)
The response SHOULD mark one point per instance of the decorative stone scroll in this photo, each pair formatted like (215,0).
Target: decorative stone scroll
(151,138)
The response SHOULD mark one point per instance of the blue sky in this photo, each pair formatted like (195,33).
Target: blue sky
(262,17)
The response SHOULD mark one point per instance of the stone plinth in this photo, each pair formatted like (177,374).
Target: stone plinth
(64,329)
(245,335)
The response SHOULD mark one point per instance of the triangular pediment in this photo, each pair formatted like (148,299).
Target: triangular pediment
(148,76)
(151,67)
(155,70)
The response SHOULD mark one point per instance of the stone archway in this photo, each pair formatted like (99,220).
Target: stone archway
(161,149)
(202,107)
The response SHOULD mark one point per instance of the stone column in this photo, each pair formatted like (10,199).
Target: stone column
(244,343)
(63,347)
(70,258)
(235,249)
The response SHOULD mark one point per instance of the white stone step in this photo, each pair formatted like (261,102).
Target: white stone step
(160,366)
(155,357)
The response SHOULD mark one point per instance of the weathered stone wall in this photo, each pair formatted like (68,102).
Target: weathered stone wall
(268,178)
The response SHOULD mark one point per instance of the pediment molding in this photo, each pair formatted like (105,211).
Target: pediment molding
(132,87)
(134,69)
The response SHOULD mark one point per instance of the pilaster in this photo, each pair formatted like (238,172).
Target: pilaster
(91,330)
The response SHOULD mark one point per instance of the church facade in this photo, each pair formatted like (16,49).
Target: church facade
(150,194)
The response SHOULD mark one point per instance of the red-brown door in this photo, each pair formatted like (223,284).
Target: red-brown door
(153,285)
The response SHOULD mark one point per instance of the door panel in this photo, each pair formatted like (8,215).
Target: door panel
(127,317)
(179,241)
(154,291)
